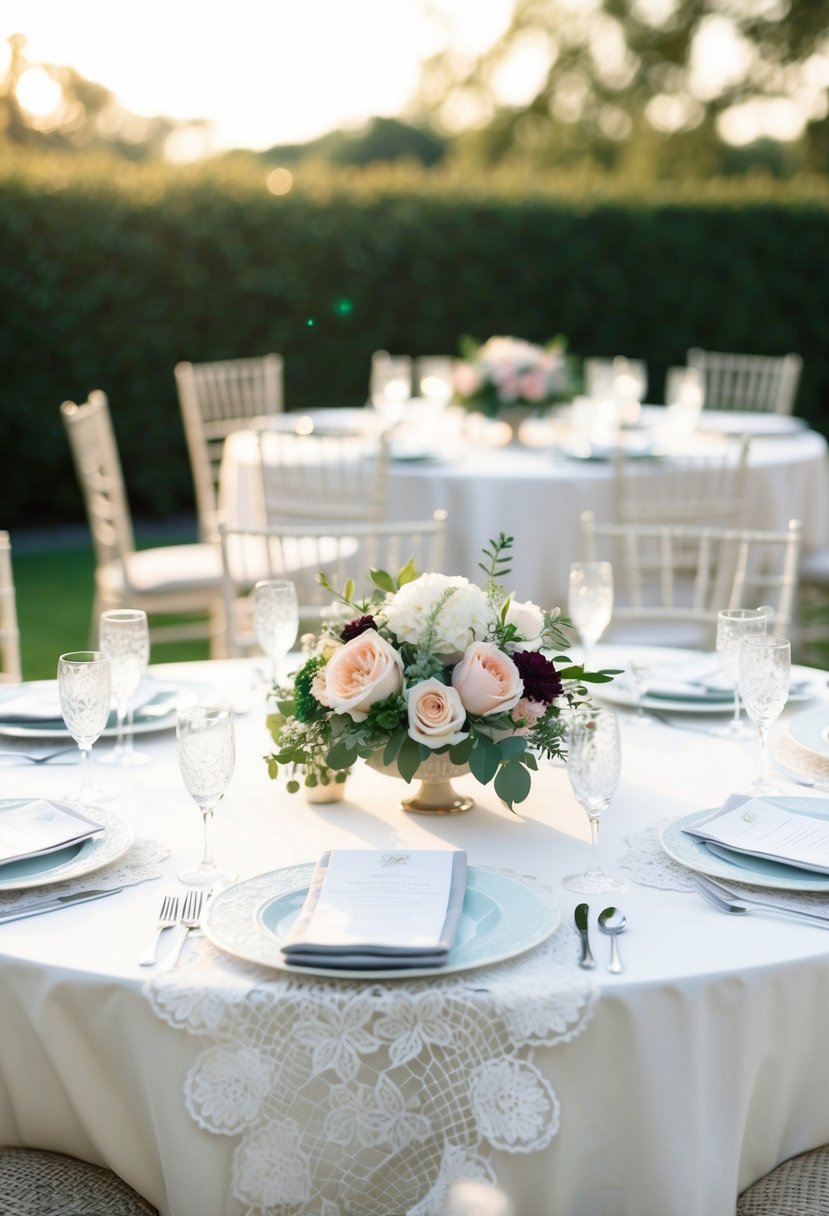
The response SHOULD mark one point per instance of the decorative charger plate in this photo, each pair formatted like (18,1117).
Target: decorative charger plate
(811,730)
(741,868)
(157,714)
(713,703)
(501,917)
(71,862)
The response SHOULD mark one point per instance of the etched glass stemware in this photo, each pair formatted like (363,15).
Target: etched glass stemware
(206,748)
(276,619)
(764,669)
(594,764)
(84,688)
(124,636)
(590,602)
(732,625)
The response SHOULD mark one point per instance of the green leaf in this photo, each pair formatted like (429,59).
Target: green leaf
(512,747)
(393,745)
(273,767)
(513,783)
(484,760)
(459,752)
(341,755)
(383,580)
(408,758)
(408,574)
(349,589)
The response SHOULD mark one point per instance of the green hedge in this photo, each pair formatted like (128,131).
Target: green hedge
(111,274)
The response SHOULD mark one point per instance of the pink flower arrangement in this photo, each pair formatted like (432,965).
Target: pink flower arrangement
(508,371)
(431,664)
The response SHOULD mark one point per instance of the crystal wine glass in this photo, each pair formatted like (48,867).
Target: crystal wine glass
(732,625)
(206,749)
(590,601)
(594,762)
(391,385)
(275,618)
(124,636)
(763,671)
(85,690)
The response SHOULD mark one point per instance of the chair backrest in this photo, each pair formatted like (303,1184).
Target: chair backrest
(299,552)
(10,668)
(732,568)
(97,463)
(339,477)
(762,383)
(691,487)
(215,399)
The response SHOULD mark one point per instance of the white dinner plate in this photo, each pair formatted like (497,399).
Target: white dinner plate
(501,917)
(757,871)
(71,862)
(811,730)
(624,695)
(154,715)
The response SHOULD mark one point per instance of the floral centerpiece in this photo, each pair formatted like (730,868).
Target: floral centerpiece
(431,664)
(507,372)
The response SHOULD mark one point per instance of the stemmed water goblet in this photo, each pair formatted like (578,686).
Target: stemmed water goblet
(590,602)
(763,672)
(391,385)
(123,635)
(85,690)
(594,763)
(733,624)
(206,749)
(276,619)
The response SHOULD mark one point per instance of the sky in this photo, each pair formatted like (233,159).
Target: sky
(263,71)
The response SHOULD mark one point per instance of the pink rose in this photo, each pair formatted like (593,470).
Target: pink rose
(526,713)
(467,380)
(365,670)
(436,714)
(487,680)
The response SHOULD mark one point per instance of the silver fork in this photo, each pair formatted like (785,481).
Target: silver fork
(190,920)
(727,901)
(167,919)
(14,756)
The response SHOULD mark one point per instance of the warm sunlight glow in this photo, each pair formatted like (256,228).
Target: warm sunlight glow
(38,93)
(280,181)
(261,73)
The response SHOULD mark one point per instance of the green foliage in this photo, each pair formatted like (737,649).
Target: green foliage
(111,277)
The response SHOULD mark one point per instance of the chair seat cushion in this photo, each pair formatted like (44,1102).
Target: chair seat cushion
(798,1187)
(168,570)
(34,1182)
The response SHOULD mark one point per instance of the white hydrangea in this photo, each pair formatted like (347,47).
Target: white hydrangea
(464,617)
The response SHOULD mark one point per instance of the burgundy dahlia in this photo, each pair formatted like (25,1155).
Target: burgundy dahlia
(354,628)
(541,680)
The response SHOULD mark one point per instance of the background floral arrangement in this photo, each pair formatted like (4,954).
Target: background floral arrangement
(431,663)
(506,372)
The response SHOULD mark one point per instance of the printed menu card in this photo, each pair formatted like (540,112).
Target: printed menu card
(380,908)
(41,826)
(761,827)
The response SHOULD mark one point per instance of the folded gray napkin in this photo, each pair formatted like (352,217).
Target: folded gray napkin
(318,946)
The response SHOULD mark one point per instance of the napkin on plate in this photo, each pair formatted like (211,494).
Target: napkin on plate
(380,910)
(40,826)
(40,704)
(759,827)
(698,678)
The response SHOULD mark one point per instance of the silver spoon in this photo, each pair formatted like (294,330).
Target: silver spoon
(612,921)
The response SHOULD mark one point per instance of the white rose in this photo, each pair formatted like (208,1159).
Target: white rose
(528,619)
(365,670)
(436,714)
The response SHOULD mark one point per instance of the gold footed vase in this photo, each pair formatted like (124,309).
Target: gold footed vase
(435,795)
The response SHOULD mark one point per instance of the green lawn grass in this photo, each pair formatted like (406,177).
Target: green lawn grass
(54,609)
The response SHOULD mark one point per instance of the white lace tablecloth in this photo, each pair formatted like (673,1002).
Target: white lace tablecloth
(353,1096)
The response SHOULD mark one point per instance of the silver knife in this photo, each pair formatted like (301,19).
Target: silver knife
(581,914)
(56,902)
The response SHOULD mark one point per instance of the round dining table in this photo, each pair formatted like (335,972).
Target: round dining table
(537,489)
(225,1084)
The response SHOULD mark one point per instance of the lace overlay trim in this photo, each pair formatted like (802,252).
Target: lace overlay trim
(347,1097)
(141,863)
(650,866)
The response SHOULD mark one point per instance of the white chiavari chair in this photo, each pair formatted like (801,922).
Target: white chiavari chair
(761,383)
(10,668)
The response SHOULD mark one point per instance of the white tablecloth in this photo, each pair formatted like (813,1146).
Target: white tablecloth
(702,1066)
(537,497)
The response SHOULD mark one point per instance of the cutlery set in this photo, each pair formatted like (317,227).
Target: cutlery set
(611,922)
(168,918)
(726,900)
